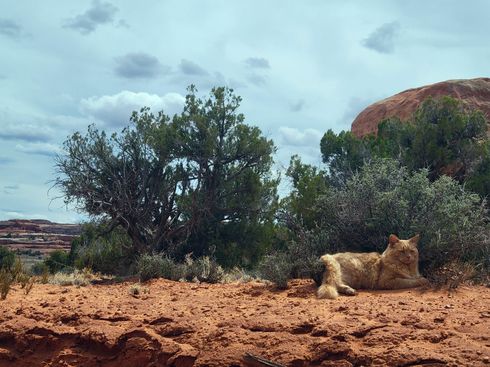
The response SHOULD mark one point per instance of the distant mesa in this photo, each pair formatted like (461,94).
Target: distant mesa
(37,235)
(475,94)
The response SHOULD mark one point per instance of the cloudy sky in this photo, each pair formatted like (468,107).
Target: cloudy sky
(302,67)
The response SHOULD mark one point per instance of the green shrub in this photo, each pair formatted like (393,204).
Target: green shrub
(300,259)
(203,269)
(7,258)
(13,273)
(57,260)
(384,198)
(107,253)
(39,268)
(6,280)
(150,267)
(276,268)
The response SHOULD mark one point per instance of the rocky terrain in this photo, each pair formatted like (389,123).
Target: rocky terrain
(475,93)
(37,236)
(187,324)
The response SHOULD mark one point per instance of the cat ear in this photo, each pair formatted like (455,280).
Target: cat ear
(393,239)
(415,239)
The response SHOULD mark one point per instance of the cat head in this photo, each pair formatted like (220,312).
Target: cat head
(404,251)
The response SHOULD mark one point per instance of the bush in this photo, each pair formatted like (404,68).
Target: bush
(202,269)
(57,260)
(380,199)
(150,267)
(452,275)
(277,268)
(301,259)
(384,198)
(7,258)
(6,280)
(107,253)
(237,274)
(136,290)
(12,273)
(77,277)
(39,268)
(158,266)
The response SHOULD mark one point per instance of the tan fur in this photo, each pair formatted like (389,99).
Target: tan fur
(395,268)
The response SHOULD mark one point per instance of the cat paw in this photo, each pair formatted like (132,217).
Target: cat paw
(348,291)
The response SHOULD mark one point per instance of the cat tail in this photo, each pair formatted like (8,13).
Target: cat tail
(331,278)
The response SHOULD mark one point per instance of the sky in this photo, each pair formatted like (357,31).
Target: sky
(301,67)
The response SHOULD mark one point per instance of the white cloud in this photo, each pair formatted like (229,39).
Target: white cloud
(5,215)
(115,110)
(297,137)
(39,149)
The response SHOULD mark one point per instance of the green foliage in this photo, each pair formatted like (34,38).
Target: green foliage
(158,266)
(7,258)
(57,260)
(6,281)
(384,198)
(107,252)
(446,135)
(239,243)
(169,182)
(277,269)
(308,184)
(479,180)
(234,193)
(299,259)
(441,136)
(343,154)
(39,268)
(14,272)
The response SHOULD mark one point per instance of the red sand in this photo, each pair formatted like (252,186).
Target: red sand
(186,324)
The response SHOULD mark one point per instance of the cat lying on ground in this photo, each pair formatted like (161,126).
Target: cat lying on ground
(396,268)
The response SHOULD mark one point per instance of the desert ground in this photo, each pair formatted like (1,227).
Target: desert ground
(187,324)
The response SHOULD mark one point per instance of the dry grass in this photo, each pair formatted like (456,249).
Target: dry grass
(77,278)
(136,290)
(452,275)
(15,274)
(237,275)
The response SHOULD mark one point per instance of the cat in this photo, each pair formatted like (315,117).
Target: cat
(396,268)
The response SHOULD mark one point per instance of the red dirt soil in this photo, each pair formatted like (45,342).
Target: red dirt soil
(187,324)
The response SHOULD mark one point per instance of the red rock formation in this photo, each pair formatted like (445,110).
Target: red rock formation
(475,93)
(37,235)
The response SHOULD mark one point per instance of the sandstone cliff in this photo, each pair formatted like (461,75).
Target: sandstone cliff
(37,235)
(475,93)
